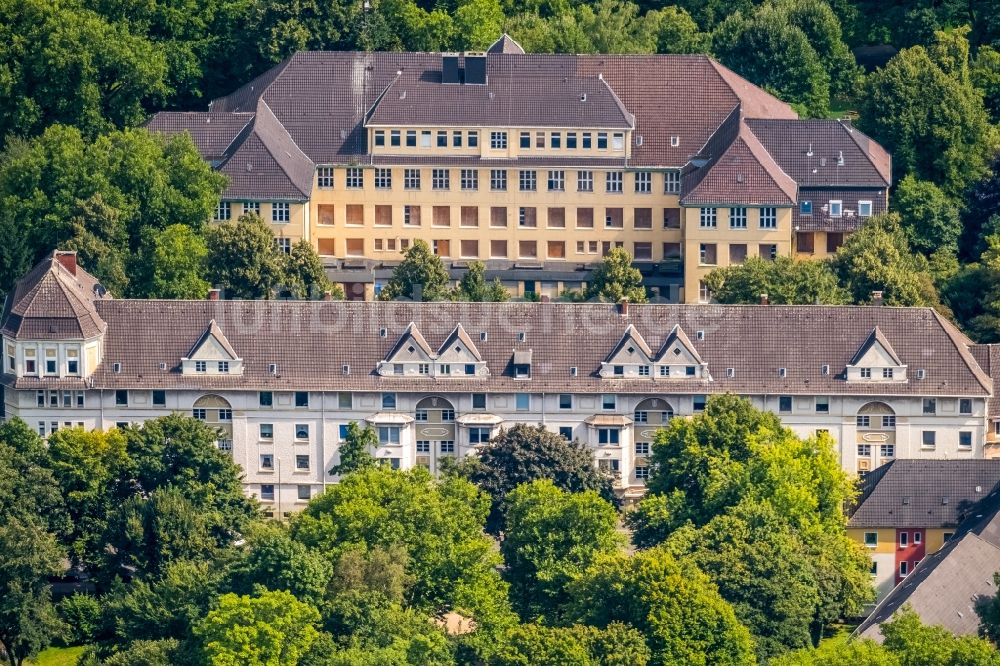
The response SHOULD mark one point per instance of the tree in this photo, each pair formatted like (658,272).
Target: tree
(863,652)
(786,281)
(304,275)
(28,489)
(578,645)
(243,258)
(918,644)
(985,75)
(550,537)
(474,287)
(676,31)
(178,261)
(478,22)
(675,605)
(523,454)
(438,524)
(355,450)
(421,276)
(929,216)
(878,258)
(273,560)
(28,619)
(616,279)
(270,629)
(951,142)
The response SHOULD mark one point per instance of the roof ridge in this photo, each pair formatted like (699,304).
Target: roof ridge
(956,337)
(270,117)
(747,135)
(628,116)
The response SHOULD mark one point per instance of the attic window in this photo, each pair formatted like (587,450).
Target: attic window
(116,367)
(572,371)
(730,372)
(675,141)
(382,332)
(458,350)
(346,369)
(631,350)
(677,351)
(782,372)
(410,349)
(700,335)
(825,369)
(836,208)
(482,336)
(921,373)
(520,337)
(272,368)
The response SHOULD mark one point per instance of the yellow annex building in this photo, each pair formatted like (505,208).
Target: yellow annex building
(536,165)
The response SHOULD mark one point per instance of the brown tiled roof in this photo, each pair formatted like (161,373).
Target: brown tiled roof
(738,171)
(311,341)
(820,219)
(988,358)
(789,141)
(214,133)
(506,44)
(268,164)
(51,303)
(923,493)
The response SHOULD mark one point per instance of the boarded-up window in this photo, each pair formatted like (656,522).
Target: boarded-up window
(671,218)
(585,218)
(614,218)
(805,241)
(470,216)
(671,250)
(643,218)
(383,216)
(557,218)
(498,216)
(470,248)
(442,248)
(355,247)
(442,216)
(708,254)
(527,249)
(355,214)
(411,216)
(737,253)
(643,252)
(325,213)
(527,216)
(498,249)
(556,250)
(326,246)
(768,251)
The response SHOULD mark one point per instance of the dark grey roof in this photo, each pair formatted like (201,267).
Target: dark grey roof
(306,340)
(865,162)
(946,588)
(53,302)
(214,133)
(923,493)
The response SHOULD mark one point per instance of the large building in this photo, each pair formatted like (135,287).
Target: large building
(535,164)
(908,509)
(282,379)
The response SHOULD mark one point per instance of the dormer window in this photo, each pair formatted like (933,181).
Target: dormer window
(397,368)
(690,371)
(72,362)
(664,370)
(200,366)
(886,373)
(836,208)
(619,371)
(424,368)
(470,368)
(644,371)
(866,373)
(444,369)
(522,371)
(224,367)
(30,366)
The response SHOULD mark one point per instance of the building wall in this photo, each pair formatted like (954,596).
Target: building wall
(883,555)
(328,411)
(297,227)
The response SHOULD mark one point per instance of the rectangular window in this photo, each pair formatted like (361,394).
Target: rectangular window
(571,140)
(394,138)
(864,450)
(863,421)
(303,492)
(159,398)
(267,431)
(587,142)
(566,432)
(642,251)
(411,216)
(469,249)
(805,207)
(643,218)
(411,179)
(442,139)
(613,182)
(585,219)
(425,138)
(388,435)
(555,140)
(223,211)
(584,181)
(709,255)
(473,139)
(469,179)
(565,401)
(267,492)
(864,209)
(618,141)
(525,140)
(498,216)
(301,399)
(527,180)
(671,182)
(965,439)
(388,401)
(708,218)
(965,406)
(251,207)
(769,218)
(411,138)
(930,406)
(479,401)
(822,405)
(602,140)
(200,414)
(301,431)
(498,140)
(928,438)
(498,249)
(265,398)
(456,139)
(904,539)
(324,177)
(610,436)
(302,462)
(526,216)
(557,181)
(643,182)
(527,249)
(379,138)
(608,401)
(224,367)
(267,461)
(641,472)
(440,179)
(498,180)
(737,218)
(836,208)
(522,402)
(556,218)
(614,218)
(280,212)
(383,178)
(871,539)
(479,435)
(355,178)
(785,404)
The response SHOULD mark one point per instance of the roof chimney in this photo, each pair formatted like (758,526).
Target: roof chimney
(68,260)
(623,307)
(763,299)
(214,294)
(876,298)
(328,295)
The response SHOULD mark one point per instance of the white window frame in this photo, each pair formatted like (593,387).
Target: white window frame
(585,181)
(498,180)
(498,140)
(836,208)
(383,178)
(355,178)
(281,212)
(737,218)
(708,218)
(768,217)
(613,182)
(324,178)
(643,182)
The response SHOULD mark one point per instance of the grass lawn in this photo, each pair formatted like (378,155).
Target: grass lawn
(58,656)
(838,634)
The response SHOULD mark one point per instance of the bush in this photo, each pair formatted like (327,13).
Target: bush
(82,615)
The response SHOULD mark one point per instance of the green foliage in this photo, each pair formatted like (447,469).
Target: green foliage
(421,276)
(270,629)
(679,609)
(474,287)
(243,258)
(355,450)
(877,257)
(786,281)
(616,279)
(676,31)
(551,536)
(578,645)
(438,524)
(921,645)
(82,615)
(854,653)
(28,488)
(985,76)
(525,453)
(178,259)
(304,276)
(929,216)
(164,652)
(950,142)
(273,560)
(605,26)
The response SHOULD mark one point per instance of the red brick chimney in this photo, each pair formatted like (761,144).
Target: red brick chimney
(214,294)
(68,260)
(623,307)
(763,299)
(328,295)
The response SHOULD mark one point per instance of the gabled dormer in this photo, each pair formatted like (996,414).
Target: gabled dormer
(411,356)
(458,355)
(630,358)
(520,364)
(876,361)
(212,354)
(677,358)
